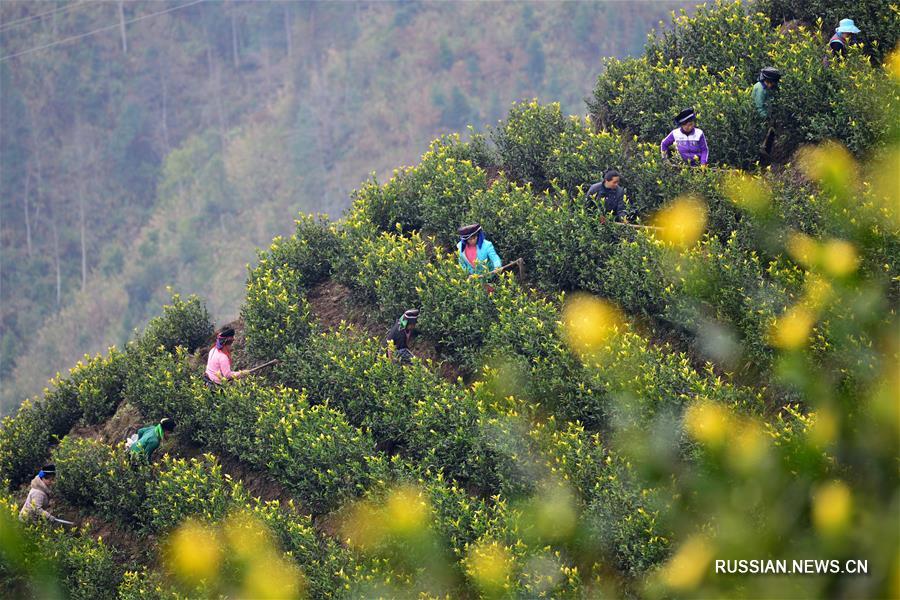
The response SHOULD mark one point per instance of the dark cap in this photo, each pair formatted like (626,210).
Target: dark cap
(685,116)
(468,231)
(167,424)
(228,332)
(770,74)
(412,315)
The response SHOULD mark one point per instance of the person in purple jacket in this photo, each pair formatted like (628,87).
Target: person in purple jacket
(688,139)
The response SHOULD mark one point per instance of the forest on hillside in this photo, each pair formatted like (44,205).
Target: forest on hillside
(164,148)
(642,412)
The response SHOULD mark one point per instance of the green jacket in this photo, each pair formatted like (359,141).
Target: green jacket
(149,439)
(760,95)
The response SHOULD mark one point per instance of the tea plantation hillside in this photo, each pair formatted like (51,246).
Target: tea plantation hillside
(718,383)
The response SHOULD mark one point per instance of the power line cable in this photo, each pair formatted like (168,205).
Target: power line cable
(23,20)
(107,28)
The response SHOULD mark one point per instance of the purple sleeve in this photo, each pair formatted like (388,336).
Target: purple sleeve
(704,150)
(666,143)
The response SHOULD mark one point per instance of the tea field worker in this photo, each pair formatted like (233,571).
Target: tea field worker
(763,89)
(39,495)
(843,35)
(688,139)
(150,437)
(218,365)
(400,335)
(476,254)
(608,196)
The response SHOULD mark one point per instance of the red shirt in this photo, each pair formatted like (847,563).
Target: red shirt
(471,251)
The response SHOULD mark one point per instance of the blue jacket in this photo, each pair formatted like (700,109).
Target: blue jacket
(486,253)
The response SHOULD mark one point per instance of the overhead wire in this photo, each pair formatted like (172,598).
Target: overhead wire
(101,29)
(24,20)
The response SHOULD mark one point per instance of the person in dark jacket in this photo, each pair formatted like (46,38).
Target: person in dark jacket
(608,196)
(843,35)
(400,335)
(150,437)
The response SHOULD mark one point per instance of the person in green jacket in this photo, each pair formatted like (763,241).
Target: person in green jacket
(150,437)
(762,90)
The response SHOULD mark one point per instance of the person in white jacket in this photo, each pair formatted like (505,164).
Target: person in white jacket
(39,496)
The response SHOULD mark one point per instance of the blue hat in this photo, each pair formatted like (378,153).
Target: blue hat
(847,26)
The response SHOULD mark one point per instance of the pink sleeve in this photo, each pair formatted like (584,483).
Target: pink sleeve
(225,366)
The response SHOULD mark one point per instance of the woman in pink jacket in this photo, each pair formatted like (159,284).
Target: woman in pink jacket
(218,366)
(39,496)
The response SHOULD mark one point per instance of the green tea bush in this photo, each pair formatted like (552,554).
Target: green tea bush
(525,140)
(386,272)
(94,475)
(879,24)
(87,567)
(165,385)
(580,157)
(23,443)
(446,189)
(725,114)
(623,521)
(183,323)
(352,373)
(456,309)
(145,585)
(314,452)
(275,313)
(432,194)
(185,488)
(101,385)
(725,34)
(309,253)
(506,212)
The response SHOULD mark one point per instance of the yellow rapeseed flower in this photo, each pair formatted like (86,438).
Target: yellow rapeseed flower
(708,423)
(364,526)
(839,258)
(803,249)
(830,164)
(747,192)
(194,553)
(832,506)
(489,565)
(682,222)
(588,322)
(686,569)
(273,577)
(791,330)
(407,511)
(892,63)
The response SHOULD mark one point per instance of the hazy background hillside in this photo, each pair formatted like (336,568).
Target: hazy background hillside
(163,148)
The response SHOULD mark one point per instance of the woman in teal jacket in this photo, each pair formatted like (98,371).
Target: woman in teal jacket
(476,255)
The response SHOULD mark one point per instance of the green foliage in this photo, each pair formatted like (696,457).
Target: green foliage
(879,23)
(101,384)
(524,141)
(385,272)
(275,313)
(456,309)
(309,253)
(353,374)
(105,478)
(183,323)
(185,488)
(315,453)
(165,385)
